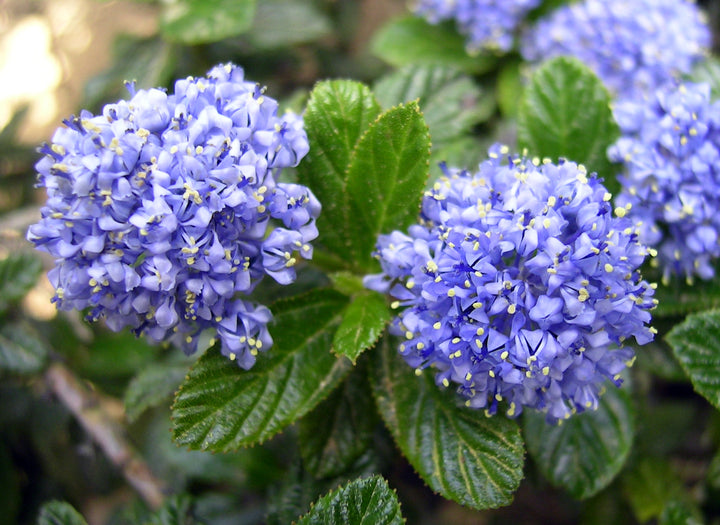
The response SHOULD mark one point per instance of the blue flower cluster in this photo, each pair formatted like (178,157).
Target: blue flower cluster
(485,23)
(633,47)
(159,211)
(519,285)
(670,149)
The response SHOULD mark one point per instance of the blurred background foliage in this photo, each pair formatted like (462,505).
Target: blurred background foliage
(57,56)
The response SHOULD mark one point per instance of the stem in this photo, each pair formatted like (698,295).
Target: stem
(90,410)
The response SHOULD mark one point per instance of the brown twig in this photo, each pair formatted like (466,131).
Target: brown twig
(89,409)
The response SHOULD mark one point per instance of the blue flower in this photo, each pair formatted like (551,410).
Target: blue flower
(518,285)
(634,47)
(485,23)
(670,151)
(163,212)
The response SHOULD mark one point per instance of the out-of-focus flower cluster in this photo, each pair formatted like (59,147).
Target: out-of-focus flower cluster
(159,211)
(519,285)
(485,23)
(633,46)
(670,150)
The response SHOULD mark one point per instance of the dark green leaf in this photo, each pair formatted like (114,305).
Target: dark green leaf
(367,501)
(59,513)
(696,344)
(337,115)
(270,27)
(566,113)
(363,323)
(412,40)
(21,349)
(221,407)
(203,21)
(19,272)
(339,429)
(152,386)
(584,453)
(114,354)
(650,486)
(465,153)
(461,454)
(386,177)
(10,496)
(450,101)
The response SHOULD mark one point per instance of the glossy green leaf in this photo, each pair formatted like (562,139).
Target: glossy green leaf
(461,454)
(412,40)
(368,501)
(221,407)
(362,325)
(696,344)
(585,453)
(203,21)
(337,115)
(19,272)
(153,385)
(21,349)
(59,513)
(386,178)
(339,429)
(566,113)
(269,29)
(450,101)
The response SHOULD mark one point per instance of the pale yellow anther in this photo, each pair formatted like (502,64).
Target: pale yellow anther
(232,356)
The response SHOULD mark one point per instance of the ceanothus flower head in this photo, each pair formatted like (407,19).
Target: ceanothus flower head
(670,151)
(163,212)
(633,46)
(485,23)
(518,285)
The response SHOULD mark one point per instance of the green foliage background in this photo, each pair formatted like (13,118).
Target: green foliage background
(331,426)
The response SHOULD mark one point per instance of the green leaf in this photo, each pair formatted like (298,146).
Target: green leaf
(21,349)
(386,177)
(220,407)
(367,501)
(696,344)
(566,113)
(412,40)
(203,21)
(362,325)
(152,386)
(19,272)
(650,486)
(339,429)
(585,452)
(270,27)
(59,513)
(450,101)
(679,513)
(461,454)
(337,114)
